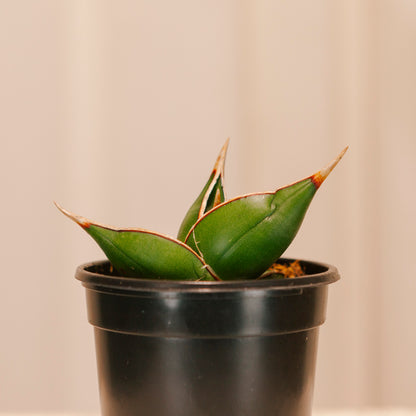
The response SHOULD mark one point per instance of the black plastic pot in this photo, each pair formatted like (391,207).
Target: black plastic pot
(236,348)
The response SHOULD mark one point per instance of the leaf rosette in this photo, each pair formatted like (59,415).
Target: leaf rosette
(219,239)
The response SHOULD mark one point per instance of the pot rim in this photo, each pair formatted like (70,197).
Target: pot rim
(317,274)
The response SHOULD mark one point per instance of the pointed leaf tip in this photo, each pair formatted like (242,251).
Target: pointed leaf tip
(83,222)
(217,174)
(320,176)
(211,195)
(219,164)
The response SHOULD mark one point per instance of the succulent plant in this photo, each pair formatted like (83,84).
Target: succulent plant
(218,239)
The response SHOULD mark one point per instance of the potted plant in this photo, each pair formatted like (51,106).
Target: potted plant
(212,322)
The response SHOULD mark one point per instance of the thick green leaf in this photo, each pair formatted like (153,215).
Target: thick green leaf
(243,237)
(240,239)
(145,254)
(211,195)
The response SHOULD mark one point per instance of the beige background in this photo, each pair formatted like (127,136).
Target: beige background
(118,109)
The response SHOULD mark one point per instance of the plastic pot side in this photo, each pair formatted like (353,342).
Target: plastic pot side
(179,348)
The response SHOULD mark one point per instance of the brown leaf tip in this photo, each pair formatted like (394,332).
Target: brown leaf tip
(83,222)
(219,164)
(320,176)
